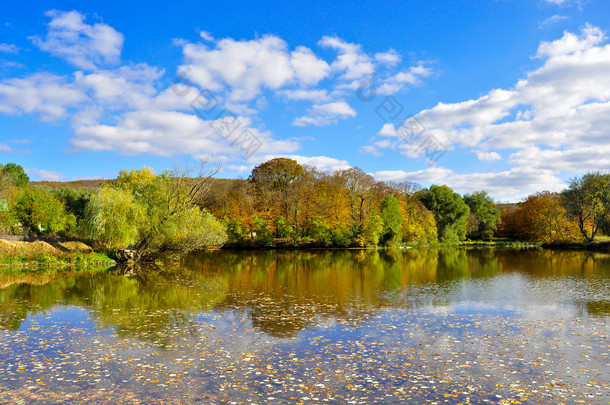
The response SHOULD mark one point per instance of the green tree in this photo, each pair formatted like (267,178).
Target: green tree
(587,201)
(282,229)
(319,231)
(484,215)
(12,174)
(236,232)
(75,202)
(42,213)
(392,220)
(450,211)
(373,230)
(113,217)
(158,213)
(262,234)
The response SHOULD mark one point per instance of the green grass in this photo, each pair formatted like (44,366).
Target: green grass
(49,263)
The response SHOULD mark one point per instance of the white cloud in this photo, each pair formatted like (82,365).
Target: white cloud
(170,133)
(509,185)
(206,36)
(8,48)
(323,163)
(42,175)
(308,68)
(552,20)
(573,160)
(325,114)
(85,46)
(238,168)
(397,82)
(434,175)
(5,148)
(44,94)
(127,86)
(388,129)
(389,58)
(351,60)
(370,150)
(320,95)
(567,3)
(488,156)
(249,66)
(562,105)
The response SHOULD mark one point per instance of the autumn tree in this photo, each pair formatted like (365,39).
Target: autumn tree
(542,218)
(273,179)
(357,183)
(419,223)
(587,201)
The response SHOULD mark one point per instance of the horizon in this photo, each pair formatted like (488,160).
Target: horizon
(507,97)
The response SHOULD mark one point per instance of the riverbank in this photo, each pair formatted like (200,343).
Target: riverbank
(40,253)
(601,247)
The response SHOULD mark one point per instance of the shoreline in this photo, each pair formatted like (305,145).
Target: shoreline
(41,256)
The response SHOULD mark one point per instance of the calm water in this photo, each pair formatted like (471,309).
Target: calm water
(457,325)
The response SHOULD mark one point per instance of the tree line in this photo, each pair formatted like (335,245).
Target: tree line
(284,204)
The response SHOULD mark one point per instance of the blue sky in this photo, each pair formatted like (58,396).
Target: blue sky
(510,97)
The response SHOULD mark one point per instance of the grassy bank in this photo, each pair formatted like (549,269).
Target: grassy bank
(39,254)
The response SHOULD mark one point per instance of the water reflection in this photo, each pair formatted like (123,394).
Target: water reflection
(283,292)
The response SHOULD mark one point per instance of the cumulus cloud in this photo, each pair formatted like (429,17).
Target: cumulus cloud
(325,114)
(508,185)
(390,58)
(128,86)
(83,45)
(571,160)
(171,133)
(249,66)
(351,61)
(563,106)
(412,76)
(488,156)
(47,95)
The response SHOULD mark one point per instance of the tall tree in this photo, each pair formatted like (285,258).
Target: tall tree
(450,211)
(484,215)
(156,213)
(540,218)
(42,213)
(392,220)
(587,200)
(273,179)
(14,175)
(358,184)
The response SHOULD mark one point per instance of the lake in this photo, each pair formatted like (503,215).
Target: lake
(321,326)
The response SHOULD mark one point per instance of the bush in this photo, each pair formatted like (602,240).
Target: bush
(42,213)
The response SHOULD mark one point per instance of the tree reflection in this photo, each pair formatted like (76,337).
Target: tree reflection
(283,292)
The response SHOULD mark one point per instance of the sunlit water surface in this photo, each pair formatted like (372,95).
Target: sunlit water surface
(407,326)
